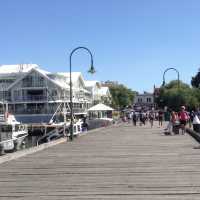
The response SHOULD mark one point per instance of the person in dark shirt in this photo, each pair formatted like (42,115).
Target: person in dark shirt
(160,118)
(134,118)
(151,118)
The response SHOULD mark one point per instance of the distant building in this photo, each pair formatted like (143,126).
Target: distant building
(109,83)
(156,91)
(33,94)
(144,101)
(156,95)
(105,95)
(94,87)
(100,93)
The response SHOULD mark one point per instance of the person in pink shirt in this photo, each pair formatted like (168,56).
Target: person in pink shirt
(183,117)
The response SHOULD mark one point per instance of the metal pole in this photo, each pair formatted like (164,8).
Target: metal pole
(71,106)
(70,84)
(171,68)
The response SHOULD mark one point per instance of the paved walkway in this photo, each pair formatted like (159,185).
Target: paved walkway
(123,162)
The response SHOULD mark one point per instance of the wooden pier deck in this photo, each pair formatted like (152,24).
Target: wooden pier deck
(122,162)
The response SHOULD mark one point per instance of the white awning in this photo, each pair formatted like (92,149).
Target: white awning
(100,107)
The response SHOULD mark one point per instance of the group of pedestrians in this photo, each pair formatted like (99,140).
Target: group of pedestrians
(141,118)
(177,120)
(149,116)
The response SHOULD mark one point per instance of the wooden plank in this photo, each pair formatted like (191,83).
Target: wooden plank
(122,162)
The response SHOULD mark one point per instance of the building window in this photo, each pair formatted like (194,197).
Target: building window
(33,80)
(54,93)
(139,100)
(148,100)
(17,95)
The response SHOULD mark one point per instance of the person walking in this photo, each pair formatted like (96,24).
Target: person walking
(160,118)
(184,117)
(130,116)
(174,121)
(191,115)
(151,118)
(134,118)
(142,118)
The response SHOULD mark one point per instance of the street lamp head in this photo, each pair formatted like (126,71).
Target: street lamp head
(91,70)
(163,84)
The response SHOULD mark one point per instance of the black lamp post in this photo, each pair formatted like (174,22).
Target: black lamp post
(176,72)
(91,70)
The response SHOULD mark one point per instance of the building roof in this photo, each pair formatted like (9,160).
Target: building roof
(143,95)
(15,69)
(75,75)
(19,71)
(44,74)
(100,107)
(58,79)
(60,83)
(104,91)
(91,83)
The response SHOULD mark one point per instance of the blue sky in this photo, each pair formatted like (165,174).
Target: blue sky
(133,41)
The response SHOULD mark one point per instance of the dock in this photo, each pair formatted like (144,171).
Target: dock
(121,162)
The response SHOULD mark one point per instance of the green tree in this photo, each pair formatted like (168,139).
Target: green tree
(174,97)
(174,84)
(195,82)
(121,95)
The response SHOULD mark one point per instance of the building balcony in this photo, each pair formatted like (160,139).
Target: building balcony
(44,110)
(30,98)
(32,110)
(33,85)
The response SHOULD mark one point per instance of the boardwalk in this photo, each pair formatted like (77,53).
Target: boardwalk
(118,163)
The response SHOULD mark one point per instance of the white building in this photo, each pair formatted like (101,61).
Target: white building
(33,94)
(94,87)
(105,95)
(144,101)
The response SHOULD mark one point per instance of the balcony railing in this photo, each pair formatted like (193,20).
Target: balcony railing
(45,111)
(31,111)
(30,98)
(31,84)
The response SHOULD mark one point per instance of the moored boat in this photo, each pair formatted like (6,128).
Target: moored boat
(12,133)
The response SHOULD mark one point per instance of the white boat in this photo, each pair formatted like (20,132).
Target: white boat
(12,132)
(77,124)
